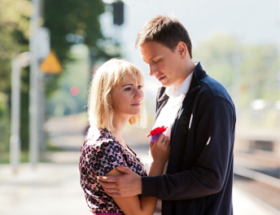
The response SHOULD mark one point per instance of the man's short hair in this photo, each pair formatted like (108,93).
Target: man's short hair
(100,108)
(165,30)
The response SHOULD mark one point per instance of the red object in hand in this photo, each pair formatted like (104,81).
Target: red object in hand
(157,130)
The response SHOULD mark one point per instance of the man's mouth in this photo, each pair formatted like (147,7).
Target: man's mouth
(161,78)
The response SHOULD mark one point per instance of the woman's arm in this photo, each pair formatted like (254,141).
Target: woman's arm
(145,205)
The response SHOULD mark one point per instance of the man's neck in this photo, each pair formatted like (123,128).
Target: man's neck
(187,70)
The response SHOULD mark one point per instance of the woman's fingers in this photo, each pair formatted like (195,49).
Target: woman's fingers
(163,141)
(160,139)
(166,143)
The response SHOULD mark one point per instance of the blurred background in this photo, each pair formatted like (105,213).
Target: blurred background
(49,51)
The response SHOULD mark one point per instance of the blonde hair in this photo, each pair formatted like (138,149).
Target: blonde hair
(100,108)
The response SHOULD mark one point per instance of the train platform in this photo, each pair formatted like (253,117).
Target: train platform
(53,188)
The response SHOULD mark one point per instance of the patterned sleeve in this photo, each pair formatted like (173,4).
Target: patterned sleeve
(108,156)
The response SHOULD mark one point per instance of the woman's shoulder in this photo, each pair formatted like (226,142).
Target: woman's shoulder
(97,137)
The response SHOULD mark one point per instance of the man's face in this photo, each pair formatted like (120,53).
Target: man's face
(164,63)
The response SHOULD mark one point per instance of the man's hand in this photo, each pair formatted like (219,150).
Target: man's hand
(128,184)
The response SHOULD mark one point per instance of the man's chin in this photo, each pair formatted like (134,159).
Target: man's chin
(165,84)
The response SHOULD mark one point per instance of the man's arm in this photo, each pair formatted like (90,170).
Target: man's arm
(208,173)
(128,183)
(215,129)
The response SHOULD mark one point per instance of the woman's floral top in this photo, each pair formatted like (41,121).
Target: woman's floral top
(101,153)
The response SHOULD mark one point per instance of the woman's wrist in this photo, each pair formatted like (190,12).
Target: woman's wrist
(158,163)
(156,168)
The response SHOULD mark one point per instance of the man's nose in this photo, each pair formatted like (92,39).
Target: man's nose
(153,69)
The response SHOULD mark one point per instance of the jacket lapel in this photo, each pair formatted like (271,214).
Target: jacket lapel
(162,99)
(198,74)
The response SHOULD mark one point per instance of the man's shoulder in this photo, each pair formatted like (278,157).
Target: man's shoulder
(211,88)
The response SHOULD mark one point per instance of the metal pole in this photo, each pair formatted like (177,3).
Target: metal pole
(42,112)
(42,96)
(33,107)
(15,121)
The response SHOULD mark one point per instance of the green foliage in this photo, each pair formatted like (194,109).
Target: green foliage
(4,124)
(24,110)
(217,54)
(72,18)
(71,22)
(248,71)
(5,157)
(14,33)
(74,22)
(259,70)
(76,74)
(14,27)
(64,19)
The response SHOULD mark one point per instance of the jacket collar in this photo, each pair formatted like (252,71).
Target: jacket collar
(198,74)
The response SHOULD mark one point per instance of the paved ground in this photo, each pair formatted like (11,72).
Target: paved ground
(54,189)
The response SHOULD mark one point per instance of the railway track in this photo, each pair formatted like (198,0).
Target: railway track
(257,173)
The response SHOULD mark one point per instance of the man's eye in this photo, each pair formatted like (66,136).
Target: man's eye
(127,89)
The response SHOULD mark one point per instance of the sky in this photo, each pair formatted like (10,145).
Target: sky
(251,21)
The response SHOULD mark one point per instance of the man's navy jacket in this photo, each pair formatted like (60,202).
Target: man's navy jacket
(200,170)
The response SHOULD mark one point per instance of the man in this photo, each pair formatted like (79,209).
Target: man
(201,119)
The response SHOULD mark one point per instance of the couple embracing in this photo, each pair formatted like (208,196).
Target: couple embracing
(191,164)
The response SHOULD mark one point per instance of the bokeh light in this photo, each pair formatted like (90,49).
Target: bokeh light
(74,91)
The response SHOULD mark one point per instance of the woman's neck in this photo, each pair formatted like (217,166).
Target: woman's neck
(119,121)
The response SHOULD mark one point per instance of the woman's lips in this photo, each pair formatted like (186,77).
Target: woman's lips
(136,104)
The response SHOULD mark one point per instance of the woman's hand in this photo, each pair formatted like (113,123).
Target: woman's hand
(160,150)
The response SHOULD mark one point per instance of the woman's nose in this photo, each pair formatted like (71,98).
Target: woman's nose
(139,94)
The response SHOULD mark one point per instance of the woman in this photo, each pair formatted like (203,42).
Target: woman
(115,98)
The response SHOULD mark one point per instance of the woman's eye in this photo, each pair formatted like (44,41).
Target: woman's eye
(140,87)
(127,89)
(156,61)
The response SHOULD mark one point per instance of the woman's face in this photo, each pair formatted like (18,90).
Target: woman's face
(127,97)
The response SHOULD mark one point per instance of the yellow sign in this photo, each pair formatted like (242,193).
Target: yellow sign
(51,64)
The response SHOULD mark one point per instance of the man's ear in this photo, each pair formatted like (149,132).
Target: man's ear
(182,49)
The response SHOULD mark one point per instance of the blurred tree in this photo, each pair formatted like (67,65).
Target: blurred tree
(73,22)
(69,21)
(217,54)
(259,72)
(14,34)
(248,71)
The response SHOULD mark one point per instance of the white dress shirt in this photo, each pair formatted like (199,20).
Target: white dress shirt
(166,118)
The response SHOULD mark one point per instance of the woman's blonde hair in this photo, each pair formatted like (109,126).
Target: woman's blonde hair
(100,108)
